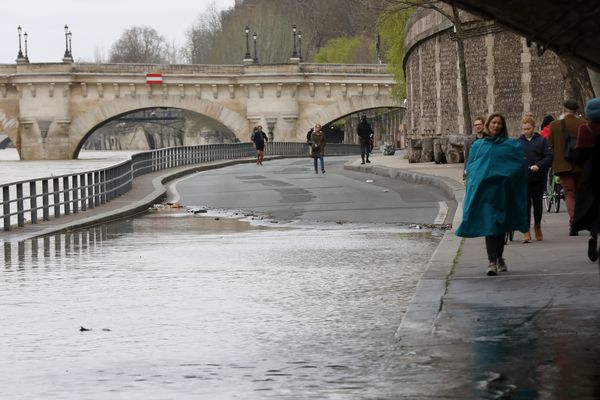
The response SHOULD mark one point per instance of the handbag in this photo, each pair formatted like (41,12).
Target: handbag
(570,152)
(315,149)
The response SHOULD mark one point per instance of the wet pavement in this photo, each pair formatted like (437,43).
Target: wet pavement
(290,190)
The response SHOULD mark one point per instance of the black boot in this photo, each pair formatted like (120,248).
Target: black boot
(363,159)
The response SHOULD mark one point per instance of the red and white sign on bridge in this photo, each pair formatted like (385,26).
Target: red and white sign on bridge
(154,79)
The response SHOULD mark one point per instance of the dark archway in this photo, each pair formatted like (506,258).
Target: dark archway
(153,128)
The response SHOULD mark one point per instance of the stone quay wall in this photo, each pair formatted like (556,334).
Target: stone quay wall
(504,75)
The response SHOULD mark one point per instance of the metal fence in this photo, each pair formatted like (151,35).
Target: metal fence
(43,198)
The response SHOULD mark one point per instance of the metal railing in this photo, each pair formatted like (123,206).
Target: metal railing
(55,196)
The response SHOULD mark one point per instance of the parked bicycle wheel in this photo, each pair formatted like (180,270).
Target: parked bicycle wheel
(558,194)
(549,192)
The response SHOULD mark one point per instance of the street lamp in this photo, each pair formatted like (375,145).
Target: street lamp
(295,51)
(20,55)
(247,30)
(67,54)
(70,47)
(255,59)
(300,45)
(25,35)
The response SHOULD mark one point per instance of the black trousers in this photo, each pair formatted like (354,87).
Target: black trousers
(535,198)
(365,148)
(495,247)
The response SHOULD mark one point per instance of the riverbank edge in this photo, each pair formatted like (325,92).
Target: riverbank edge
(115,210)
(427,301)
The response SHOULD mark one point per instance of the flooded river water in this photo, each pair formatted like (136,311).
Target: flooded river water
(188,306)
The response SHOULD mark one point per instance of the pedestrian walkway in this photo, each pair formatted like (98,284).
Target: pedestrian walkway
(530,333)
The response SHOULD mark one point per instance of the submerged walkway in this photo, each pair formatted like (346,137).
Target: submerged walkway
(530,333)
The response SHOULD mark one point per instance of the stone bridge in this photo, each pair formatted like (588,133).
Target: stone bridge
(49,109)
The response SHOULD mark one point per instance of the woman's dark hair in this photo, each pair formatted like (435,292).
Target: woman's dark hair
(503,131)
(546,121)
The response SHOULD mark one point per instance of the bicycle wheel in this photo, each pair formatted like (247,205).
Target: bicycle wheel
(557,197)
(549,192)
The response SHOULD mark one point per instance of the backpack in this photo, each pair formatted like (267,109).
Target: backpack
(570,152)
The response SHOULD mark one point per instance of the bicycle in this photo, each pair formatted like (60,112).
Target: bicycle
(553,193)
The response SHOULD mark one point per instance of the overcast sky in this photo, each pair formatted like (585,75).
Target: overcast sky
(94,24)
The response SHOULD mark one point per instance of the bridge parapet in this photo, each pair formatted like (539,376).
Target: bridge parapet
(57,105)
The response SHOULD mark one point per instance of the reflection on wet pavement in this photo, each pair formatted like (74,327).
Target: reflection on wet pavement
(190,306)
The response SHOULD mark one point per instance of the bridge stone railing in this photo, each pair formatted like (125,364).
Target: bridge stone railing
(55,196)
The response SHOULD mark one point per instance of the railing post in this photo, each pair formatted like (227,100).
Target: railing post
(45,201)
(33,202)
(56,196)
(66,196)
(6,207)
(74,194)
(97,188)
(83,192)
(103,187)
(90,190)
(20,216)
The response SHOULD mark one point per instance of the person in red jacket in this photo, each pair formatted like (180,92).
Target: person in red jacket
(545,127)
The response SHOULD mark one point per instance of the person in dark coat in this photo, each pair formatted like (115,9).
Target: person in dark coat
(538,156)
(259,138)
(496,191)
(587,205)
(317,148)
(365,137)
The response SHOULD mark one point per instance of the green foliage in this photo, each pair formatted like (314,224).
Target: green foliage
(347,50)
(391,25)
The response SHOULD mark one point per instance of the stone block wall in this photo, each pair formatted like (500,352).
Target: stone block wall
(503,76)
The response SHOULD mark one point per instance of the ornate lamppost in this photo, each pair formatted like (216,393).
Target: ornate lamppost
(67,54)
(295,51)
(247,56)
(255,59)
(300,45)
(20,54)
(70,47)
(25,35)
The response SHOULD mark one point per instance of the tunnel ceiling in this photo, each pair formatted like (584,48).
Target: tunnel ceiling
(569,28)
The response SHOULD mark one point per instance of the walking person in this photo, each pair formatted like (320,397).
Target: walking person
(587,206)
(545,126)
(566,128)
(496,191)
(260,139)
(478,133)
(538,157)
(317,147)
(365,137)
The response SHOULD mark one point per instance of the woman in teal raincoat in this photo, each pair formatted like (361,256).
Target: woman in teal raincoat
(496,193)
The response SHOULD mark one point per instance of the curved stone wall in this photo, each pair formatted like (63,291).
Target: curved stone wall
(503,76)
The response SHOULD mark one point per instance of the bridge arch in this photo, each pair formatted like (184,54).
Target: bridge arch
(344,107)
(84,125)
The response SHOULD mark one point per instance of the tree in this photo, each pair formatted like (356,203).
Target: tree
(347,50)
(201,37)
(452,14)
(139,44)
(391,26)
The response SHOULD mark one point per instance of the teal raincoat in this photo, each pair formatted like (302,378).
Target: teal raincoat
(496,194)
